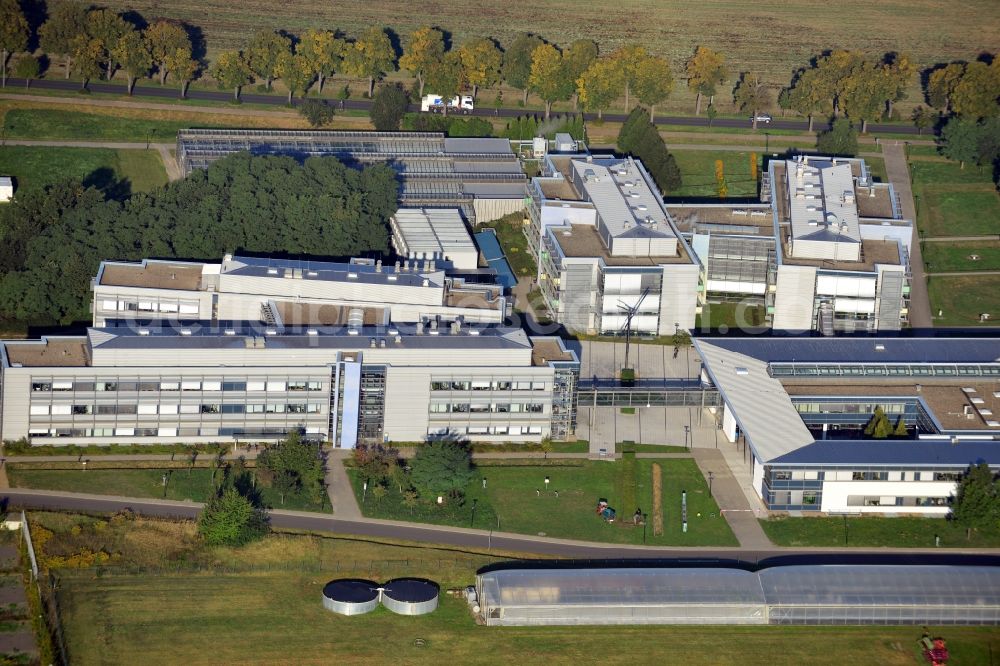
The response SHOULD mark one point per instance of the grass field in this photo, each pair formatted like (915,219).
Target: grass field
(36,166)
(63,124)
(946,257)
(963,299)
(207,619)
(734,316)
(772,37)
(876,532)
(952,201)
(698,172)
(516,493)
(182,484)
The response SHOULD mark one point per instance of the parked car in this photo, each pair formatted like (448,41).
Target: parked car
(762,118)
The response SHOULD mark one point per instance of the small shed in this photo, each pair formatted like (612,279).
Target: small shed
(6,188)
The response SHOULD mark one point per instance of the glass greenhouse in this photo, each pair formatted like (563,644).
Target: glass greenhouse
(814,594)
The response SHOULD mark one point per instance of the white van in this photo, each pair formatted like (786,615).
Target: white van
(435,104)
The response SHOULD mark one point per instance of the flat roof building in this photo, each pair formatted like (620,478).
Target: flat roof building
(437,234)
(297,292)
(801,406)
(604,242)
(209,382)
(481,176)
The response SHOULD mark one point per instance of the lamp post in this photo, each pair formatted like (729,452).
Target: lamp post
(710,477)
(644,517)
(687,432)
(845,529)
(473,519)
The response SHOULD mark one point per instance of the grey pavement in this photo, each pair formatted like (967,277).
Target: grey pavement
(898,172)
(731,499)
(339,486)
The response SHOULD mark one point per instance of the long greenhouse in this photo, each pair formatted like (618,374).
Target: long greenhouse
(812,594)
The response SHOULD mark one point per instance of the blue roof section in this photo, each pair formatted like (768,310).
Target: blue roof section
(490,247)
(895,452)
(863,350)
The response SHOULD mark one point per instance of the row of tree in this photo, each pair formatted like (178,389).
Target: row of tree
(54,239)
(95,41)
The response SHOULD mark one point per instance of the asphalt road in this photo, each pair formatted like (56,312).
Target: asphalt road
(483,540)
(279,100)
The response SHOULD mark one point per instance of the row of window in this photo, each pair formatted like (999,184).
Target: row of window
(788,475)
(484,407)
(163,432)
(785,369)
(177,385)
(172,307)
(486,385)
(203,408)
(495,430)
(882,500)
(868,408)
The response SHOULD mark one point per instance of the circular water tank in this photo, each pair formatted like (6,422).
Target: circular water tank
(350,596)
(410,596)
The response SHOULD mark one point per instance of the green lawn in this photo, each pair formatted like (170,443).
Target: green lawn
(875,532)
(952,201)
(36,166)
(60,124)
(876,167)
(731,315)
(208,619)
(516,494)
(945,257)
(698,172)
(182,484)
(963,299)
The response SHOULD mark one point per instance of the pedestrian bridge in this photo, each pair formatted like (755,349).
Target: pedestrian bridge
(597,392)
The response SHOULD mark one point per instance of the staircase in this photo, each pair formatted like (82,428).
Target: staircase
(825,319)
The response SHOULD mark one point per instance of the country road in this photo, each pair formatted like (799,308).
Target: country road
(363,105)
(501,541)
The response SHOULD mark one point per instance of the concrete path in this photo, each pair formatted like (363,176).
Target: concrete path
(962,239)
(962,273)
(122,104)
(898,171)
(731,499)
(339,486)
(174,171)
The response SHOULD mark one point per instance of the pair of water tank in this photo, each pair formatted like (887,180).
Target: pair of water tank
(404,596)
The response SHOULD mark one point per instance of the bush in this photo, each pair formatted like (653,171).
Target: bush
(840,139)
(230,519)
(388,108)
(441,467)
(317,112)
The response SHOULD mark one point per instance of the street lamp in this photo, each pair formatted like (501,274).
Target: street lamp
(687,432)
(364,492)
(845,529)
(473,519)
(644,517)
(547,483)
(710,477)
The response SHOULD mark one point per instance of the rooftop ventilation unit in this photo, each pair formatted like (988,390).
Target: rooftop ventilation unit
(352,331)
(879,346)
(143,331)
(742,371)
(272,271)
(185,331)
(312,331)
(352,276)
(270,331)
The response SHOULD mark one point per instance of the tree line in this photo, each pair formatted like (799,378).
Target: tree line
(92,42)
(53,239)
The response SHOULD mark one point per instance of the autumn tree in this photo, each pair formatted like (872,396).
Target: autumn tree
(809,94)
(27,68)
(898,70)
(941,84)
(183,66)
(445,78)
(705,71)
(87,56)
(371,56)
(577,57)
(324,52)
(923,118)
(517,62)
(424,50)
(628,60)
(231,70)
(107,27)
(66,21)
(133,54)
(751,94)
(481,61)
(599,85)
(265,50)
(863,95)
(548,76)
(165,38)
(653,82)
(296,72)
(13,33)
(975,95)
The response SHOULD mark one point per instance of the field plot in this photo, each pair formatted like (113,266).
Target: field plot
(961,299)
(36,166)
(698,173)
(517,496)
(966,256)
(771,36)
(207,619)
(952,201)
